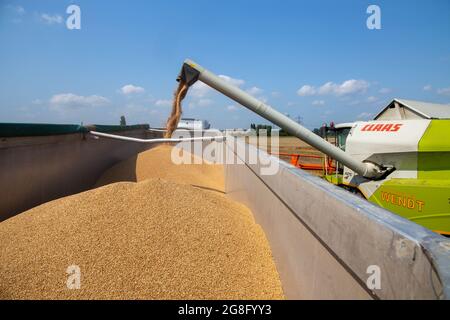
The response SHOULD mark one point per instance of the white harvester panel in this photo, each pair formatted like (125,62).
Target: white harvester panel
(371,137)
(392,143)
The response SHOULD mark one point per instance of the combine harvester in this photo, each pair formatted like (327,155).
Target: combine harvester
(327,243)
(414,139)
(402,165)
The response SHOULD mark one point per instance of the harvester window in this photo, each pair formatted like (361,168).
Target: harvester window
(341,137)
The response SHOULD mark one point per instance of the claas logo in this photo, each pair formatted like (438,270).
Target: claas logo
(382,127)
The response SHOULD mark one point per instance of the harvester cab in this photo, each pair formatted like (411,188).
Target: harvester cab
(337,134)
(341,132)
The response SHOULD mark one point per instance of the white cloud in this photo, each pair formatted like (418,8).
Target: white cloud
(257,93)
(136,110)
(51,19)
(20,10)
(232,107)
(445,91)
(385,90)
(204,102)
(347,87)
(200,103)
(275,94)
(428,87)
(232,81)
(365,116)
(372,99)
(36,101)
(306,91)
(17,9)
(17,12)
(131,89)
(201,90)
(318,103)
(73,101)
(254,91)
(163,103)
(263,99)
(327,88)
(137,113)
(354,102)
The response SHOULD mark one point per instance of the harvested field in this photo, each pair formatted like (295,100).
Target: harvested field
(155,239)
(293,145)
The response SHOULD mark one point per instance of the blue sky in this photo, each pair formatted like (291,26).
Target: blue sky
(314,59)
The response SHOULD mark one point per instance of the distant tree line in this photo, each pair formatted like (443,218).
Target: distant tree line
(282,133)
(123,121)
(258,127)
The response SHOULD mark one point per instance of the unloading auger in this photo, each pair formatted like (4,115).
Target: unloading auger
(192,72)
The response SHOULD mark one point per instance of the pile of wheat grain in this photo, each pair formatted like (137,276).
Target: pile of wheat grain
(157,163)
(155,239)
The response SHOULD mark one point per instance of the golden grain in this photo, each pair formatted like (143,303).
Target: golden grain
(154,239)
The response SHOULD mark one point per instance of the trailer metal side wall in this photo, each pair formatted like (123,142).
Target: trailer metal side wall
(328,243)
(34,170)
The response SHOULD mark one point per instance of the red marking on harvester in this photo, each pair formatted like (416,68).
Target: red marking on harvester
(382,127)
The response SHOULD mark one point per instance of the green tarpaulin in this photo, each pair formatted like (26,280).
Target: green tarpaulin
(42,129)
